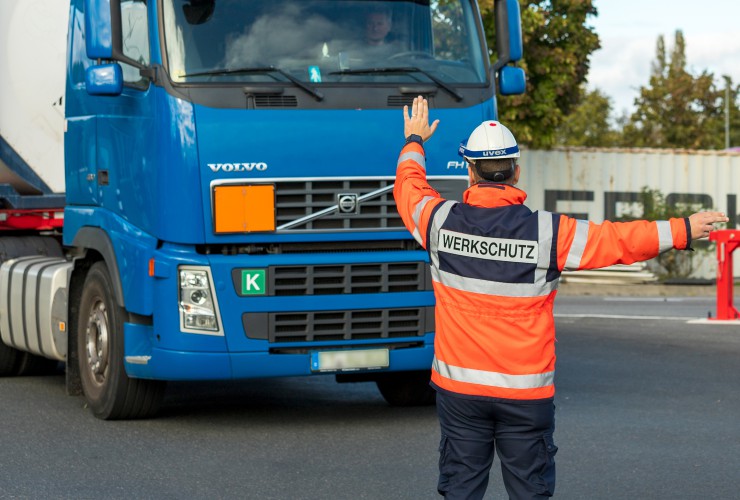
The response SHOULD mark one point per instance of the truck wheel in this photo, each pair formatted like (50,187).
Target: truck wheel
(109,392)
(407,388)
(31,364)
(8,360)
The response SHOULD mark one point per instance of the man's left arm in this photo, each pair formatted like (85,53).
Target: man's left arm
(587,245)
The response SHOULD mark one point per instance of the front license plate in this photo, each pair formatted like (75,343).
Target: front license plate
(355,359)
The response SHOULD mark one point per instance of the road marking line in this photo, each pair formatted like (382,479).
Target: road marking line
(617,316)
(703,321)
(693,321)
(658,299)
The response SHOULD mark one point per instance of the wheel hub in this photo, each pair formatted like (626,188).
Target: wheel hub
(96,342)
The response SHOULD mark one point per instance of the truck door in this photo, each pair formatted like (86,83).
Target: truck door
(126,130)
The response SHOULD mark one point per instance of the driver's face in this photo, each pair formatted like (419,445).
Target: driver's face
(377,26)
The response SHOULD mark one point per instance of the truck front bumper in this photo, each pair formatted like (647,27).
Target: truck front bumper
(143,360)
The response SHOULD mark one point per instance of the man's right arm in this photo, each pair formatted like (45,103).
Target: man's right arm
(415,198)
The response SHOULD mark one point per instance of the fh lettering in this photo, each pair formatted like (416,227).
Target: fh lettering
(502,249)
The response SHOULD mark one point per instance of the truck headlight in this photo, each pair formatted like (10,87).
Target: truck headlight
(198,307)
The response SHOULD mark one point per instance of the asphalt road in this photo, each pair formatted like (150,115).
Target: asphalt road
(647,408)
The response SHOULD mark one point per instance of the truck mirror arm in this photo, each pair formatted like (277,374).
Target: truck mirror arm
(149,72)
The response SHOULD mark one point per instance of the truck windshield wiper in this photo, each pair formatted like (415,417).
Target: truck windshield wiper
(259,69)
(401,70)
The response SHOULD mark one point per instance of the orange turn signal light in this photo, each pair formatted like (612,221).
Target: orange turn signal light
(243,209)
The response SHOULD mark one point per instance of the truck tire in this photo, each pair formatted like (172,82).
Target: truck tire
(32,364)
(109,392)
(8,360)
(15,362)
(407,388)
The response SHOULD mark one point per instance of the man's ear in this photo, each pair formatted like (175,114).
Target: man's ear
(517,171)
(472,179)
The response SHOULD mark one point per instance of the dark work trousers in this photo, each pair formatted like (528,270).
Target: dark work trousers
(521,434)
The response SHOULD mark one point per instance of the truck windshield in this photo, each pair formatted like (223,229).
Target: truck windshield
(323,41)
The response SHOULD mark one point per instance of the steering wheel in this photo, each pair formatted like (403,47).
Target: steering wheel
(411,53)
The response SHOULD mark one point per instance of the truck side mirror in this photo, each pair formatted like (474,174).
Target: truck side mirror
(99,29)
(104,79)
(511,80)
(103,31)
(508,31)
(509,47)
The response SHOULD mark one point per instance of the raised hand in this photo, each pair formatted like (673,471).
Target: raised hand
(418,122)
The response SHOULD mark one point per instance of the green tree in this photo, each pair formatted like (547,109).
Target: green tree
(589,124)
(557,46)
(676,109)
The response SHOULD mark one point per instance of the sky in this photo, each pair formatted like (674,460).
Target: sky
(629,30)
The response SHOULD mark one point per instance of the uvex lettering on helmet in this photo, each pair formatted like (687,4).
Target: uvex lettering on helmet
(489,140)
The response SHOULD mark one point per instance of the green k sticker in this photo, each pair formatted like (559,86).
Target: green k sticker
(253,282)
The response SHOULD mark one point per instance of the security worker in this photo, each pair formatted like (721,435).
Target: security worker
(495,266)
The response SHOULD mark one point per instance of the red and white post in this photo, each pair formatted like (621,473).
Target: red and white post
(728,240)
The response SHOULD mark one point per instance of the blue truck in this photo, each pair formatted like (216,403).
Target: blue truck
(202,189)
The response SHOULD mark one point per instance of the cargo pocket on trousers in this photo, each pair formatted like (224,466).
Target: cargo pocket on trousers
(547,471)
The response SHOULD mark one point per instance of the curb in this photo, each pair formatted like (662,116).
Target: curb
(639,290)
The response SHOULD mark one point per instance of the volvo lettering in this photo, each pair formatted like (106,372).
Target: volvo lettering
(237,167)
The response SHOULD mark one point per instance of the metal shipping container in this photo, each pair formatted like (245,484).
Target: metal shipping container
(605,184)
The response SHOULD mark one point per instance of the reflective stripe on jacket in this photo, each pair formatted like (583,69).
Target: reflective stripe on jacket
(496,266)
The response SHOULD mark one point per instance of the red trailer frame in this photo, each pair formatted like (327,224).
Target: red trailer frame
(46,219)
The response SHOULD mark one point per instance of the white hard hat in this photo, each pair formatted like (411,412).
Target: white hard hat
(489,140)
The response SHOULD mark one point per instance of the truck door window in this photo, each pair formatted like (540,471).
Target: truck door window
(453,35)
(135,38)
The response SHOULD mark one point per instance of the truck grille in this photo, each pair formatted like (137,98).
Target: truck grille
(360,324)
(275,101)
(349,278)
(299,199)
(338,279)
(400,100)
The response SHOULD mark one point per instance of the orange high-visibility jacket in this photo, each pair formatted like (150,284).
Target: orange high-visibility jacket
(496,265)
